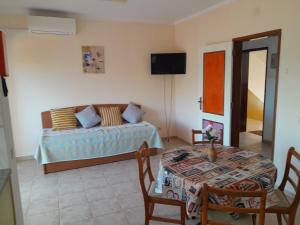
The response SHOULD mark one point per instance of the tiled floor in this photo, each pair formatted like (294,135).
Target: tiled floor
(101,195)
(253,142)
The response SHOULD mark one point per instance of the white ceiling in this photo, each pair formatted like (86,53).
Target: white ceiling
(152,11)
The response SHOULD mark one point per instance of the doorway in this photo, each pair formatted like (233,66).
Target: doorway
(254,92)
(253,127)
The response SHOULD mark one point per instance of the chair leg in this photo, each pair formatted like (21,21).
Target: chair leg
(151,209)
(279,219)
(254,219)
(182,214)
(291,220)
(147,217)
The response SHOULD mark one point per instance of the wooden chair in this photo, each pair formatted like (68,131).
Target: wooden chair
(149,195)
(199,132)
(284,207)
(232,193)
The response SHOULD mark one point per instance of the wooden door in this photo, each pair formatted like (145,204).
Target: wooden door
(215,80)
(3,71)
(244,91)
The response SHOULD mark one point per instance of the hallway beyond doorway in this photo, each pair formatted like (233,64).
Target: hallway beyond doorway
(253,142)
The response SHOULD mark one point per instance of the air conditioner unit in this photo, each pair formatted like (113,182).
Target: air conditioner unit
(51,25)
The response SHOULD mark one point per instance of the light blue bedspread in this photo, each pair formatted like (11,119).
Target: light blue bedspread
(80,143)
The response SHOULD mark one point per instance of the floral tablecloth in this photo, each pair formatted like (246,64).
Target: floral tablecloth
(234,169)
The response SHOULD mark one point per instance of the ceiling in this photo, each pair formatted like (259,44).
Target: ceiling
(152,11)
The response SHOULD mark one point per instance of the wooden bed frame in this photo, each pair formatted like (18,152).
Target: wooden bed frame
(75,164)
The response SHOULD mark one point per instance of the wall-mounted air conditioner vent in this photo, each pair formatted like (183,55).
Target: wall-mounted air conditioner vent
(51,25)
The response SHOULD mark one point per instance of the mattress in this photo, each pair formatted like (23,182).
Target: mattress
(81,143)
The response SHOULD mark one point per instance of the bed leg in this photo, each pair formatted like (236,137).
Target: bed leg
(45,169)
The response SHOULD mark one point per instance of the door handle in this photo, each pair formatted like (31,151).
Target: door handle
(200,102)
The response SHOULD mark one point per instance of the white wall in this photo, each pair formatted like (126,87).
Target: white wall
(241,18)
(46,72)
(257,73)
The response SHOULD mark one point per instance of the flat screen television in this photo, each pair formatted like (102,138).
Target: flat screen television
(168,63)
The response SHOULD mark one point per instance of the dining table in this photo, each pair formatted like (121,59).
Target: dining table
(234,168)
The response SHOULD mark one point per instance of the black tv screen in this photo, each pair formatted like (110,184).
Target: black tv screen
(168,63)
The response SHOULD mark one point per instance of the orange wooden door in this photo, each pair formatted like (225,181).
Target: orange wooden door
(213,82)
(2,58)
(215,87)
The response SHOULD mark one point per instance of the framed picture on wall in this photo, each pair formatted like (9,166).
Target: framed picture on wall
(216,125)
(93,59)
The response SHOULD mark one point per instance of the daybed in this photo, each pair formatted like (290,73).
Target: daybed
(80,147)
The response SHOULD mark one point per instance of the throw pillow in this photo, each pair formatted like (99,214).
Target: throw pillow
(110,116)
(133,114)
(88,117)
(63,118)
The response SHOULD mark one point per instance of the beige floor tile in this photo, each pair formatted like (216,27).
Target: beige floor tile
(74,214)
(126,188)
(68,187)
(94,173)
(25,177)
(50,192)
(48,218)
(44,184)
(72,200)
(94,183)
(131,200)
(42,206)
(105,206)
(25,186)
(46,177)
(166,210)
(81,222)
(118,218)
(95,194)
(69,177)
(253,142)
(68,173)
(112,169)
(117,178)
(135,216)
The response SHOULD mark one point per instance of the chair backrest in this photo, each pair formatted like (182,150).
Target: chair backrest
(290,166)
(199,132)
(207,190)
(144,167)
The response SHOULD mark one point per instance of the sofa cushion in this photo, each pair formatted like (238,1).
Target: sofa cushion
(63,118)
(88,117)
(133,114)
(110,116)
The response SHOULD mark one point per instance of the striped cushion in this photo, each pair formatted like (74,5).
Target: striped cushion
(111,116)
(63,118)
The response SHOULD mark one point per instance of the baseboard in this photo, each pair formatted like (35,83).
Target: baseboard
(188,143)
(166,138)
(24,158)
(267,142)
